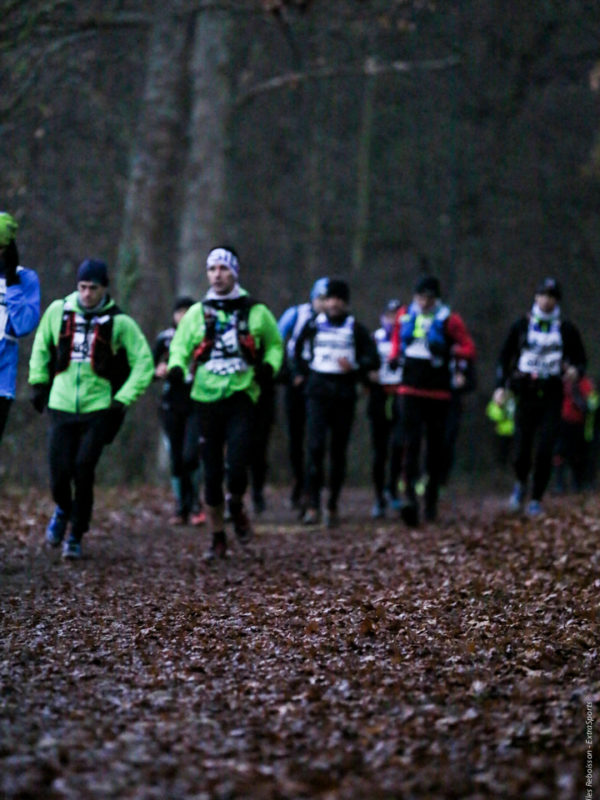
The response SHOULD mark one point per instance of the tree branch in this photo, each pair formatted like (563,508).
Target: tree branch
(370,67)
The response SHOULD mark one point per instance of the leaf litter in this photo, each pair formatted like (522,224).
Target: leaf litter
(368,661)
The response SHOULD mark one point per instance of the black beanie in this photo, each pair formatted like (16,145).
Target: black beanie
(338,288)
(94,271)
(551,287)
(428,285)
(183,302)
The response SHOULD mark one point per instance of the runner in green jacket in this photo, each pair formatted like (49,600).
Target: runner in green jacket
(233,345)
(89,362)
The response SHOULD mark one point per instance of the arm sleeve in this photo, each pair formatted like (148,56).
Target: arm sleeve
(395,337)
(463,345)
(287,321)
(300,364)
(188,334)
(367,356)
(140,359)
(159,349)
(508,354)
(43,344)
(270,337)
(23,303)
(574,351)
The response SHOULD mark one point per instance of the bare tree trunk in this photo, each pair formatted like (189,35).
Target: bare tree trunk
(314,102)
(363,173)
(147,252)
(203,215)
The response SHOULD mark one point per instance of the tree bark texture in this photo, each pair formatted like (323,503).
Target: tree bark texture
(147,252)
(204,198)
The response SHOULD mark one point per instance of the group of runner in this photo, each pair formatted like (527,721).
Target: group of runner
(219,361)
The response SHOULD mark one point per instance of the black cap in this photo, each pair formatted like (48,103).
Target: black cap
(428,285)
(338,288)
(94,271)
(183,302)
(551,287)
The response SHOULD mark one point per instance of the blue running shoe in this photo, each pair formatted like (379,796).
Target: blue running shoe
(72,549)
(378,510)
(395,503)
(57,527)
(534,508)
(516,499)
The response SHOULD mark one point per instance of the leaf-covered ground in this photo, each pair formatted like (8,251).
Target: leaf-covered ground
(453,661)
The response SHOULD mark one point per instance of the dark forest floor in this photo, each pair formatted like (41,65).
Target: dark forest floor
(458,660)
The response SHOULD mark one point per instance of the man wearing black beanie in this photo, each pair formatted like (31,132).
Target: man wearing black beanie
(89,363)
(333,352)
(541,352)
(427,339)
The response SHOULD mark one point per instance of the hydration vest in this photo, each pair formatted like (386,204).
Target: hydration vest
(330,343)
(425,348)
(233,350)
(88,338)
(542,350)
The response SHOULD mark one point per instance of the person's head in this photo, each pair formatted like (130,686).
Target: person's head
(389,313)
(337,298)
(181,305)
(427,292)
(92,282)
(548,295)
(222,268)
(317,293)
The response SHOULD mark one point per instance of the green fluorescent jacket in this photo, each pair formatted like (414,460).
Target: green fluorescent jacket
(78,389)
(209,387)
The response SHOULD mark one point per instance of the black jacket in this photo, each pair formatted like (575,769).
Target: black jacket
(367,359)
(573,353)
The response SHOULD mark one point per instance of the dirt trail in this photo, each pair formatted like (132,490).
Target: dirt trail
(371,661)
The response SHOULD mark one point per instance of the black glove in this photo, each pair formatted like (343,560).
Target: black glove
(11,262)
(40,392)
(175,376)
(393,364)
(115,415)
(264,374)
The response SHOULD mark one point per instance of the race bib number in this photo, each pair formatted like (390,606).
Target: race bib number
(225,357)
(82,341)
(542,364)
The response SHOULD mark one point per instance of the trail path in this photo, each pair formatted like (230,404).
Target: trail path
(371,661)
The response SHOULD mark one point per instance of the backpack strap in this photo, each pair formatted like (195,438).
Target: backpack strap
(62,357)
(104,362)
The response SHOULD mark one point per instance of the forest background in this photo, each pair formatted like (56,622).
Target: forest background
(349,138)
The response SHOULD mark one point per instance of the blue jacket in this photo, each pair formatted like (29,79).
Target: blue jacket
(19,315)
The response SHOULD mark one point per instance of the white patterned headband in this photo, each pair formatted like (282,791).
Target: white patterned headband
(220,255)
